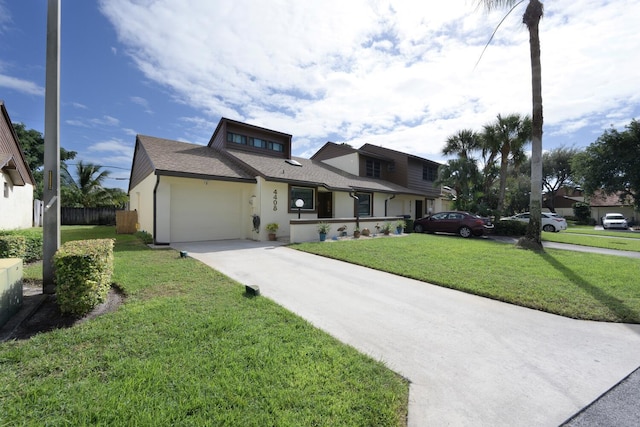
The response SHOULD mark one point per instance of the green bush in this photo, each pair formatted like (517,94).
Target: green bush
(83,270)
(582,212)
(510,228)
(13,246)
(25,244)
(145,237)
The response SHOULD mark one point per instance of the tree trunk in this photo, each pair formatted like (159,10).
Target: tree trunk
(532,20)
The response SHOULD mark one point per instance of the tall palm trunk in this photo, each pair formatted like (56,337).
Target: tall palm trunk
(531,19)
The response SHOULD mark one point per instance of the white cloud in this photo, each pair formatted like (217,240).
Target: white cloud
(105,121)
(21,85)
(394,73)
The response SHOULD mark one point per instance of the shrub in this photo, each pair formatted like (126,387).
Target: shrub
(145,237)
(83,270)
(25,244)
(582,212)
(13,246)
(510,228)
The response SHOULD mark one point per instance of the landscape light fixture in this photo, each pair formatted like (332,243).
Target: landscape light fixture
(299,205)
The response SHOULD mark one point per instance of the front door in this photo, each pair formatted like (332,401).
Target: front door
(419,210)
(325,205)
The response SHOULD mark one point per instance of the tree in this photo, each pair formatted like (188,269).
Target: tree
(612,164)
(462,175)
(87,189)
(462,144)
(531,18)
(32,143)
(556,172)
(507,136)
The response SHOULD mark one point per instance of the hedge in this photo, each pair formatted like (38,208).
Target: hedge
(83,270)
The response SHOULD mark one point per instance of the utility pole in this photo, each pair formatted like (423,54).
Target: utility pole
(51,191)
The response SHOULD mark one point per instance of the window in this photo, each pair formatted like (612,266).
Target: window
(306,194)
(257,142)
(236,138)
(373,168)
(275,146)
(6,189)
(363,204)
(429,173)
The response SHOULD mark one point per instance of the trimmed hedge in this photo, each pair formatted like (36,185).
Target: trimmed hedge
(83,270)
(25,244)
(510,228)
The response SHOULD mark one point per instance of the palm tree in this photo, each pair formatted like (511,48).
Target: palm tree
(531,18)
(507,136)
(462,144)
(87,190)
(462,175)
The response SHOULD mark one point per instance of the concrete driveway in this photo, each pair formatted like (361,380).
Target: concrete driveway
(470,360)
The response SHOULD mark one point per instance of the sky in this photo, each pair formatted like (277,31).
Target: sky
(402,74)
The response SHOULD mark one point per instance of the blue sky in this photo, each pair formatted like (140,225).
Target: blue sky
(399,74)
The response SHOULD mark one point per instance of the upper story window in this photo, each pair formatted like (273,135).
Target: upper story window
(429,173)
(255,142)
(373,168)
(236,138)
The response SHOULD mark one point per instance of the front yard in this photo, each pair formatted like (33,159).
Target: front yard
(572,284)
(189,348)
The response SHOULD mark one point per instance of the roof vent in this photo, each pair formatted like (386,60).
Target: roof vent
(293,162)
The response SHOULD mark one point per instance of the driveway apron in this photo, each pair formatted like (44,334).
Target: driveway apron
(470,360)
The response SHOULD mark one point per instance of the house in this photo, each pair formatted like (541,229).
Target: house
(601,204)
(406,170)
(563,200)
(16,179)
(246,178)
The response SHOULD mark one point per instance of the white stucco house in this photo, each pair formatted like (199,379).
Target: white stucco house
(246,178)
(16,179)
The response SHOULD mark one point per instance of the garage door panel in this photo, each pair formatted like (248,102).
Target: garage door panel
(209,213)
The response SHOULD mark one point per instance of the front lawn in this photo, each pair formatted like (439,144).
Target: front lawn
(624,241)
(189,348)
(572,284)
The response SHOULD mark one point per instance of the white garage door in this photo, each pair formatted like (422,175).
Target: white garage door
(211,212)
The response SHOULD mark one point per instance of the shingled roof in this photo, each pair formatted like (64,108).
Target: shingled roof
(175,158)
(312,172)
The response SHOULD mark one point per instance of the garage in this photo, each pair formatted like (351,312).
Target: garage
(205,210)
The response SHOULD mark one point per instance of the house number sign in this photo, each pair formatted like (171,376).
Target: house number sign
(275,200)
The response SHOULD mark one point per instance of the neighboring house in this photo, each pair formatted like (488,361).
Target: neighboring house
(406,170)
(602,204)
(244,179)
(563,201)
(16,179)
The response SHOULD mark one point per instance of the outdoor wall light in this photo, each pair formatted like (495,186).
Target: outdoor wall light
(299,205)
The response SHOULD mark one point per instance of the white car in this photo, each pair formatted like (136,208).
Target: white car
(614,220)
(550,221)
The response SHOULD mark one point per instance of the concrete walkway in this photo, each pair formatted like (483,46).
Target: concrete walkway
(470,360)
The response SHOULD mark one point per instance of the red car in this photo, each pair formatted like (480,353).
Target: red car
(463,223)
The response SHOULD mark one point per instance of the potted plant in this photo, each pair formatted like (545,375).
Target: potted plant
(272,228)
(366,232)
(356,232)
(323,229)
(400,225)
(386,228)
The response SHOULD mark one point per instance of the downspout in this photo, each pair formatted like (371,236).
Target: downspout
(386,202)
(155,188)
(356,198)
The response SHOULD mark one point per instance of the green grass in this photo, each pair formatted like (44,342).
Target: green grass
(572,284)
(189,348)
(586,235)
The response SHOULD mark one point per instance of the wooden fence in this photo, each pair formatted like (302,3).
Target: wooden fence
(88,216)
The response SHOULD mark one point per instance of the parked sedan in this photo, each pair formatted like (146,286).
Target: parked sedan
(462,223)
(550,221)
(614,220)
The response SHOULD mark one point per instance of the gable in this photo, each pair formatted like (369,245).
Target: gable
(12,160)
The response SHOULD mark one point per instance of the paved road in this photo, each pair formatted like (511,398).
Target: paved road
(470,360)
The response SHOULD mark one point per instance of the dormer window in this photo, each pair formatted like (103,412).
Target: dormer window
(373,168)
(236,138)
